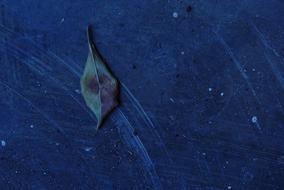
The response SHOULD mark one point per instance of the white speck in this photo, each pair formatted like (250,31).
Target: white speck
(229,187)
(16,171)
(88,149)
(44,173)
(227,162)
(38,83)
(32,126)
(253,69)
(175,14)
(172,100)
(204,154)
(182,52)
(209,89)
(254,119)
(222,94)
(3,143)
(62,20)
(57,144)
(77,91)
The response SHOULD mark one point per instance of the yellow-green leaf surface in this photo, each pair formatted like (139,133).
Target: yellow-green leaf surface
(98,86)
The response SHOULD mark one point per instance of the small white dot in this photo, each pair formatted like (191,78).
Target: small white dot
(38,84)
(88,149)
(253,69)
(204,154)
(222,94)
(172,100)
(182,52)
(254,119)
(229,187)
(209,89)
(77,91)
(32,126)
(3,143)
(175,14)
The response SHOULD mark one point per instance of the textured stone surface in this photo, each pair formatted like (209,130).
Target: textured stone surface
(202,94)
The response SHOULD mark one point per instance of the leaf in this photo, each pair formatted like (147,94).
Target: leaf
(98,85)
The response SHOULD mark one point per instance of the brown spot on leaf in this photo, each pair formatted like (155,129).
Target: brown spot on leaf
(94,85)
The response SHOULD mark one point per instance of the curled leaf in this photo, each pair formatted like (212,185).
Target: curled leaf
(98,85)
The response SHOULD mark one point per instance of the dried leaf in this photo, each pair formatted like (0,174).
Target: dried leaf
(98,86)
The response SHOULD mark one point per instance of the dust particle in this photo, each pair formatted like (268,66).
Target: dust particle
(175,14)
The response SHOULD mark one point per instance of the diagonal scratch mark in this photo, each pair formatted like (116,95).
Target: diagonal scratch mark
(140,108)
(275,70)
(238,65)
(146,118)
(57,126)
(135,142)
(51,78)
(265,41)
(274,67)
(39,110)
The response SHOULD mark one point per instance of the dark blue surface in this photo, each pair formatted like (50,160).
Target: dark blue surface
(201,89)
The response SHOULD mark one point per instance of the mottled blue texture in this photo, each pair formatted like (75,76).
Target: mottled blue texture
(202,92)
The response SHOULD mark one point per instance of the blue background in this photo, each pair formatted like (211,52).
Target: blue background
(201,95)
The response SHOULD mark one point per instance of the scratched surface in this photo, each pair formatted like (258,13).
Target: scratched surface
(202,86)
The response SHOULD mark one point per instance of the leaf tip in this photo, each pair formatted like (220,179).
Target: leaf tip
(89,30)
